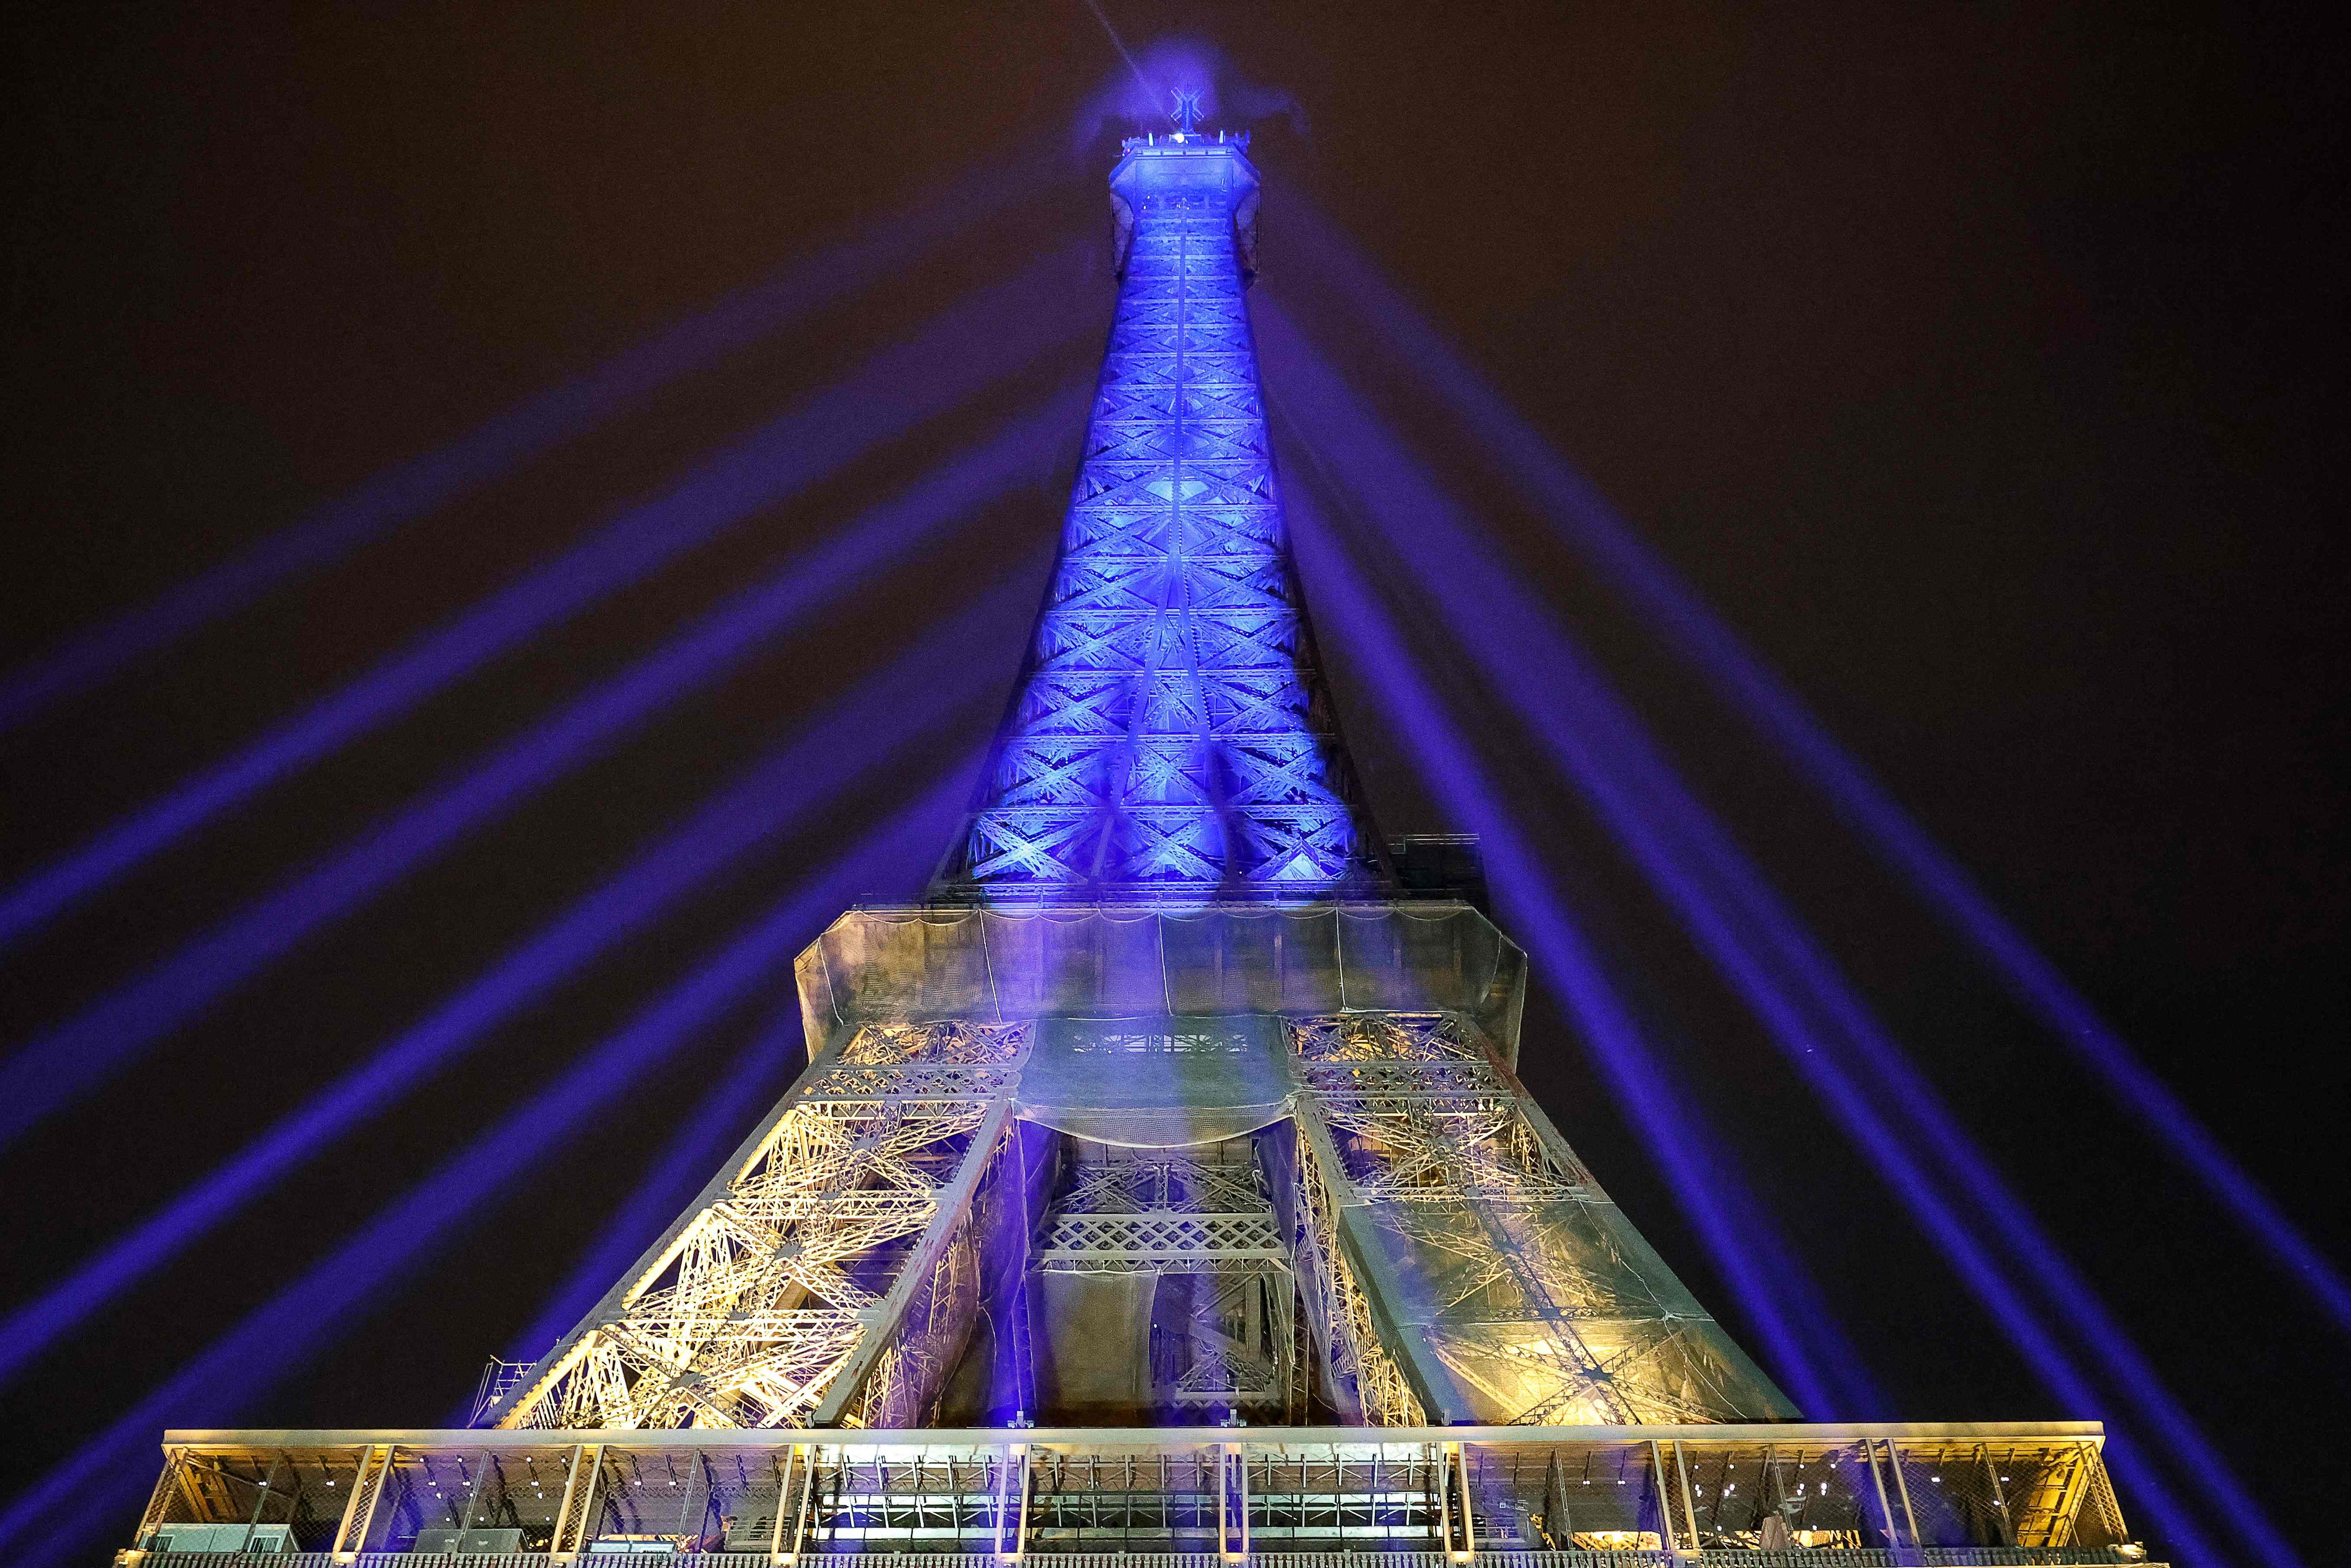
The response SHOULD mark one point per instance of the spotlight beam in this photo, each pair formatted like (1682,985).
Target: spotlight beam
(69,1059)
(1734,1233)
(1558,945)
(922,691)
(512,439)
(1751,935)
(1768,703)
(55,1518)
(962,352)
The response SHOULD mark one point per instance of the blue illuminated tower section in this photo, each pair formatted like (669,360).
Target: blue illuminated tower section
(1172,736)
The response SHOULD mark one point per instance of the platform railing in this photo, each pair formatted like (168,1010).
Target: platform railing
(1462,1497)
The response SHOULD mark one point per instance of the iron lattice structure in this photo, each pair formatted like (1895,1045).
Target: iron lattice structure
(834,1257)
(1230,1346)
(1030,1200)
(1170,1113)
(1410,1240)
(1504,1269)
(1171,735)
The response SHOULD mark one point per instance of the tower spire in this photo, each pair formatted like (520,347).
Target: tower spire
(1172,736)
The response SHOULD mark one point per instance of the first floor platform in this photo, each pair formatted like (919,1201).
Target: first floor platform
(1761,1496)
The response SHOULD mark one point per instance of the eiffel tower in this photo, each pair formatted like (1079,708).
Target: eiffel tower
(1162,1183)
(1172,1105)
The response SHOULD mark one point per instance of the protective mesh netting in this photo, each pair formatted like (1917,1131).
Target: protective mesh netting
(1417,1243)
(936,961)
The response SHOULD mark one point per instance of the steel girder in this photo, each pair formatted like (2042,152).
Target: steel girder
(1453,1230)
(1172,734)
(827,1275)
(1166,1215)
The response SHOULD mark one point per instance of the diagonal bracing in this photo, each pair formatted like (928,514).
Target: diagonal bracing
(827,1275)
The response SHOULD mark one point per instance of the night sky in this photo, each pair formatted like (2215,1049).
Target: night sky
(1981,367)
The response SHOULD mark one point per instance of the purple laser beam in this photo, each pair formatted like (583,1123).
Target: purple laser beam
(754,1078)
(1701,1184)
(1560,947)
(1769,704)
(511,439)
(1603,748)
(68,1060)
(57,1515)
(961,353)
(765,802)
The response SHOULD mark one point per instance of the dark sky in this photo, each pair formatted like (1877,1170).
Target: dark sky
(1981,367)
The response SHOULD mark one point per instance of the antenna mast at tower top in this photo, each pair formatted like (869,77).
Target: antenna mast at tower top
(1186,113)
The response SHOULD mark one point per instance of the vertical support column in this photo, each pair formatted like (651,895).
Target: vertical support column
(1902,1490)
(1467,1549)
(776,1554)
(1232,1502)
(1012,1505)
(1878,1479)
(159,1501)
(806,1508)
(1665,1501)
(473,1498)
(1003,1501)
(1028,1486)
(367,1491)
(1689,1507)
(696,1484)
(1240,1471)
(1223,1503)
(261,1501)
(1999,1495)
(579,1503)
(1439,1463)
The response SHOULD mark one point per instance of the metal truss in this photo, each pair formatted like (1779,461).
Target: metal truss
(1233,1346)
(1172,734)
(828,1276)
(1434,1115)
(1363,1378)
(1157,1243)
(1455,1259)
(1511,1290)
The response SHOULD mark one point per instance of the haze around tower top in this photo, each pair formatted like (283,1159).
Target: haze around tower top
(1138,87)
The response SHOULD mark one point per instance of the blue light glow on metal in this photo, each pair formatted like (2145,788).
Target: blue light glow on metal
(55,1518)
(964,351)
(1766,701)
(512,439)
(68,1060)
(1820,1023)
(1171,737)
(927,686)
